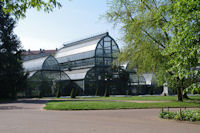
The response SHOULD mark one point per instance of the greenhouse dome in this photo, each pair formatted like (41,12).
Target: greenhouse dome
(91,56)
(45,75)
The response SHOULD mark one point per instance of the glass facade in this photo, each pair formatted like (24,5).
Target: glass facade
(85,65)
(89,61)
(45,77)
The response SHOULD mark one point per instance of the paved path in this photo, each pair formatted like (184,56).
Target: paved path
(27,116)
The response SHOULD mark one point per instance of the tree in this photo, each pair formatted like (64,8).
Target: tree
(12,77)
(143,24)
(184,46)
(19,7)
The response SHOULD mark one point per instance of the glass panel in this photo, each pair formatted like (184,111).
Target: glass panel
(107,53)
(51,64)
(99,61)
(78,56)
(33,65)
(99,52)
(108,61)
(107,44)
(77,47)
(78,63)
(107,39)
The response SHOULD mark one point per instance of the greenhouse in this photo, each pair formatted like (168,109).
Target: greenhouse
(86,66)
(45,76)
(88,62)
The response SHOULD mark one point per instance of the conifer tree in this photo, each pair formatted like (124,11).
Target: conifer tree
(12,77)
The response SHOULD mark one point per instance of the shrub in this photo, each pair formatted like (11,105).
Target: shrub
(73,93)
(96,93)
(187,115)
(58,93)
(106,93)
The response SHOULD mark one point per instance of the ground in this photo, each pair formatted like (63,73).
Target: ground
(27,116)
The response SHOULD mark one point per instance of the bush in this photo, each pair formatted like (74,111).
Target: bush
(58,93)
(186,115)
(96,93)
(106,93)
(73,93)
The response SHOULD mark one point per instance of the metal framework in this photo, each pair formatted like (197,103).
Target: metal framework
(87,61)
(45,76)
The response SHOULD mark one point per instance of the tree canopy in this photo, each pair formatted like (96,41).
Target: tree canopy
(18,8)
(184,46)
(161,37)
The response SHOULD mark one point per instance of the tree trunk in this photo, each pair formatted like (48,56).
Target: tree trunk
(179,94)
(179,90)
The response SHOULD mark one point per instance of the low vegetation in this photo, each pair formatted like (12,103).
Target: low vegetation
(186,115)
(141,98)
(103,105)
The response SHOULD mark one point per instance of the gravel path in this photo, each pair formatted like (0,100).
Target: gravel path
(27,116)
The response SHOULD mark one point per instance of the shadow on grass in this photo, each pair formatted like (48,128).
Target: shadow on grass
(85,100)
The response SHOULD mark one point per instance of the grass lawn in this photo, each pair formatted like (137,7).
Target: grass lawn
(141,98)
(107,103)
(101,105)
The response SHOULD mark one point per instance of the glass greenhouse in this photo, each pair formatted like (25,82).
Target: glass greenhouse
(85,65)
(45,76)
(87,62)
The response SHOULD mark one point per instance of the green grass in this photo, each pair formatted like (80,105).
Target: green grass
(103,105)
(142,98)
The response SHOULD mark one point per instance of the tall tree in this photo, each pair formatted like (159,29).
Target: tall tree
(143,24)
(12,77)
(184,47)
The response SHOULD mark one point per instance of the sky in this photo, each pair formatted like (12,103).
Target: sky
(77,19)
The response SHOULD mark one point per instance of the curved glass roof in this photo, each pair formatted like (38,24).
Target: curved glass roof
(44,68)
(79,50)
(43,63)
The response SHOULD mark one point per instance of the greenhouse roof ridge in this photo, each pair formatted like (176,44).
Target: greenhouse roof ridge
(85,39)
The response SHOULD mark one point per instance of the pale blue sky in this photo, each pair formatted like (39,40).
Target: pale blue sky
(75,20)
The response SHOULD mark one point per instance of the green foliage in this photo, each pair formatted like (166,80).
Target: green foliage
(96,93)
(58,93)
(19,7)
(194,88)
(160,37)
(73,93)
(143,34)
(12,77)
(186,115)
(183,48)
(106,93)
